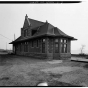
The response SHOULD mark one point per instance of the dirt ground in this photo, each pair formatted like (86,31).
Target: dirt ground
(26,71)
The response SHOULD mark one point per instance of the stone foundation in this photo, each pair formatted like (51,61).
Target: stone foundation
(49,56)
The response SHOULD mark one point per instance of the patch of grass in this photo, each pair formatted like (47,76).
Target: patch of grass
(85,66)
(5,78)
(55,75)
(40,77)
(61,84)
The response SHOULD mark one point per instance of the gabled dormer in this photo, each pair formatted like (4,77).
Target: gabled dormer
(26,22)
(30,27)
(25,31)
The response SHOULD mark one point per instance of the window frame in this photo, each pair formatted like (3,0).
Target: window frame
(63,42)
(43,45)
(56,43)
(25,32)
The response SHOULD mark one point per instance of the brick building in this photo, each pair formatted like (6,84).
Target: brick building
(42,40)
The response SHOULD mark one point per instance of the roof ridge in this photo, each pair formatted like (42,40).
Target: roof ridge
(36,20)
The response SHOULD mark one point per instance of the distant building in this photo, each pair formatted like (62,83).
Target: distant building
(42,40)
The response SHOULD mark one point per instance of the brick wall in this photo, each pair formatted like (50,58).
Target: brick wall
(33,51)
(49,49)
(67,55)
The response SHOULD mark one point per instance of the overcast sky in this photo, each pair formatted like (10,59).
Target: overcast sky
(70,18)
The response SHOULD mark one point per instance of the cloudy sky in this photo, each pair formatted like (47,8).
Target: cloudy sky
(70,18)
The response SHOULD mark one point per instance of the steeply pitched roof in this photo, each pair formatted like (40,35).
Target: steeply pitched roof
(35,23)
(32,23)
(44,29)
(48,29)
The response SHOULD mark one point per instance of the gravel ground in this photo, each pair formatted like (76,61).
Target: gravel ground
(25,71)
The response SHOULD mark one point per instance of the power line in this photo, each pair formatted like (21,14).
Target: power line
(5,37)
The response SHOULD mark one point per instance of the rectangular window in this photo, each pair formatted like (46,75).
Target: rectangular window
(56,40)
(63,46)
(65,41)
(25,47)
(43,40)
(25,32)
(61,40)
(43,45)
(56,46)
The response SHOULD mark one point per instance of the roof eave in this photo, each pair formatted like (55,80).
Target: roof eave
(74,39)
(11,43)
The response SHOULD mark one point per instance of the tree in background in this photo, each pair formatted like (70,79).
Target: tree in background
(82,48)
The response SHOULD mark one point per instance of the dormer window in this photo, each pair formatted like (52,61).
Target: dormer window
(25,32)
(33,31)
(36,30)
